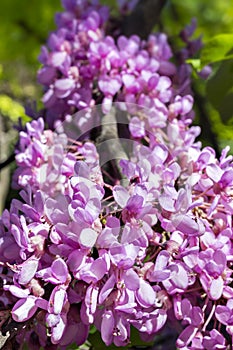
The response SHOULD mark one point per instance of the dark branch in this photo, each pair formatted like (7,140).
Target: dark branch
(140,22)
(143,18)
(207,132)
(109,145)
(8,161)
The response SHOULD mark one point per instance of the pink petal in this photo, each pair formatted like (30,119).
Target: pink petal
(132,280)
(216,288)
(214,172)
(167,202)
(186,224)
(110,86)
(58,330)
(95,272)
(42,303)
(24,309)
(223,314)
(107,326)
(187,104)
(162,260)
(128,80)
(120,195)
(91,301)
(88,238)
(186,307)
(163,84)
(107,288)
(57,58)
(180,279)
(186,336)
(28,271)
(145,294)
(160,320)
(16,291)
(52,320)
(137,127)
(63,87)
(81,169)
(76,260)
(58,301)
(59,270)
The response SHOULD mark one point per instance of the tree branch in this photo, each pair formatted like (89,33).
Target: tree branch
(8,161)
(206,127)
(109,145)
(140,22)
(3,339)
(143,18)
(7,135)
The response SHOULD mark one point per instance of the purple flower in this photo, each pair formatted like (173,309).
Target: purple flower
(27,270)
(154,252)
(56,274)
(214,341)
(186,336)
(145,294)
(63,87)
(192,315)
(56,317)
(211,265)
(115,329)
(109,85)
(25,308)
(160,271)
(94,271)
(70,334)
(123,256)
(137,127)
(178,281)
(224,315)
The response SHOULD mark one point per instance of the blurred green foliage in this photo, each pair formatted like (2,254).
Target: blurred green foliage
(213,16)
(218,51)
(9,104)
(24,27)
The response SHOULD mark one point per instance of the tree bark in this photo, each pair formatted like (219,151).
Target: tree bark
(6,137)
(143,18)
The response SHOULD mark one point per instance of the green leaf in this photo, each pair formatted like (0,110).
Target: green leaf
(195,63)
(217,49)
(136,340)
(97,342)
(12,109)
(92,329)
(220,90)
(224,143)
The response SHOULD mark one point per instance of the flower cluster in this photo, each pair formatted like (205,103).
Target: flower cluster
(84,67)
(155,250)
(45,159)
(82,250)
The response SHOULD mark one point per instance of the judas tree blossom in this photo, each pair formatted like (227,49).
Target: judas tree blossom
(82,251)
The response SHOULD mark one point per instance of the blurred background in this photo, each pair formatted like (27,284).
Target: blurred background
(24,27)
